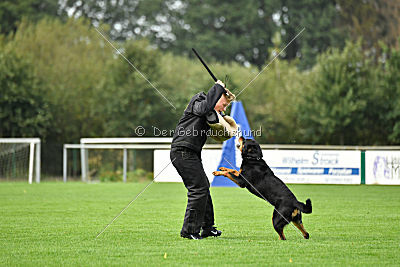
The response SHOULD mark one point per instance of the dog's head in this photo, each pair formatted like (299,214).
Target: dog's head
(249,148)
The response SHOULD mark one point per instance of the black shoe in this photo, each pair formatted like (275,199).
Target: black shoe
(191,236)
(212,231)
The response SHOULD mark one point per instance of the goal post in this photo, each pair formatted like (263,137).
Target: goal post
(130,157)
(9,149)
(122,144)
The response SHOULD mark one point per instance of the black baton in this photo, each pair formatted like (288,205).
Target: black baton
(205,65)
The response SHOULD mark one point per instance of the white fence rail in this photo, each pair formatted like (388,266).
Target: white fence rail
(158,144)
(113,143)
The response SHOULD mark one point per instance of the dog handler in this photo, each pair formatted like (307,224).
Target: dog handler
(189,138)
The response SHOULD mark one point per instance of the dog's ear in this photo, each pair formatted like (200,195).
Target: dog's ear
(259,151)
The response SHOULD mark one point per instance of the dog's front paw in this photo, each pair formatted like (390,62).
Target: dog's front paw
(216,173)
(223,169)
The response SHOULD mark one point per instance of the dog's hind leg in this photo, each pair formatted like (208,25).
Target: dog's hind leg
(298,223)
(279,222)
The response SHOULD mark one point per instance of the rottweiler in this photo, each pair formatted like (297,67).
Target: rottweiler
(258,178)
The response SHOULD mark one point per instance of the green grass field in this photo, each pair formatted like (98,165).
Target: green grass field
(56,224)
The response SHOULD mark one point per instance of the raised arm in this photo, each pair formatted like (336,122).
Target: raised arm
(201,108)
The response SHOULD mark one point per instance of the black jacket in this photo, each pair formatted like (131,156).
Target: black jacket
(191,131)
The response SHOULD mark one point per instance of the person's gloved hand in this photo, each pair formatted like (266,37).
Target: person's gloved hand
(220,83)
(224,129)
(230,121)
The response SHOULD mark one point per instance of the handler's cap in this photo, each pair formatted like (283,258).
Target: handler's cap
(229,95)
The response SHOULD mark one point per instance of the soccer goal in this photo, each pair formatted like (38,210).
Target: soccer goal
(111,159)
(17,158)
(118,159)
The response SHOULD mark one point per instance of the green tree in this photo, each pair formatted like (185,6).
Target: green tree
(225,31)
(375,21)
(24,109)
(320,18)
(129,101)
(391,81)
(340,105)
(271,102)
(11,12)
(72,60)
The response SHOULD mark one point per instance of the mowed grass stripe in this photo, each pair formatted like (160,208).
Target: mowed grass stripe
(56,223)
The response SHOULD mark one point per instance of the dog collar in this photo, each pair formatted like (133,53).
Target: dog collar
(251,158)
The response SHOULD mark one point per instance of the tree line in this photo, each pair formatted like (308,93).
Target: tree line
(61,81)
(239,31)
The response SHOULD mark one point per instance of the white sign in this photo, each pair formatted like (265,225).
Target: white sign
(315,166)
(292,166)
(210,160)
(382,167)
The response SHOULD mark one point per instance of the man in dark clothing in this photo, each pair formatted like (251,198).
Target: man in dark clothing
(188,140)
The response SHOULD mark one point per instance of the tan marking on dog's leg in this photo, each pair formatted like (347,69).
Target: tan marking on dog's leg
(227,174)
(226,169)
(282,236)
(217,173)
(235,172)
(232,179)
(301,228)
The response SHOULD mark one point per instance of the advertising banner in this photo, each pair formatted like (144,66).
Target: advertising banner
(292,166)
(315,166)
(382,167)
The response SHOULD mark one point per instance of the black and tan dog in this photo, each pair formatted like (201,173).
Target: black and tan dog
(259,179)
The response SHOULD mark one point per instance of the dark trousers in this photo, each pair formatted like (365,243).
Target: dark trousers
(199,210)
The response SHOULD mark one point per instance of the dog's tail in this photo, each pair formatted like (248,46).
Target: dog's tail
(306,208)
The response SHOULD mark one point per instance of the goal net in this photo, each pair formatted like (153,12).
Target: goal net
(18,159)
(111,159)
(124,159)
